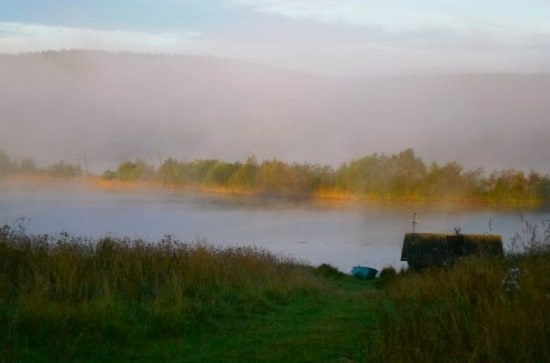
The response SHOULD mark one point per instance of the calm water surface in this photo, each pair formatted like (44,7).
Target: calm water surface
(342,235)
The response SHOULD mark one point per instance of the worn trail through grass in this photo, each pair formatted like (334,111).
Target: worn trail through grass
(329,327)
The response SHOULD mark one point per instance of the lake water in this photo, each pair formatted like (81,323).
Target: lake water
(340,234)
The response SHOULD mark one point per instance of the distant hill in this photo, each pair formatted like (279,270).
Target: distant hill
(122,106)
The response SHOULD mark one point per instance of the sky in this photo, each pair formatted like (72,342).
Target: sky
(327,37)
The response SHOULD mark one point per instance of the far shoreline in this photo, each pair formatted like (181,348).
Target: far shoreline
(22,182)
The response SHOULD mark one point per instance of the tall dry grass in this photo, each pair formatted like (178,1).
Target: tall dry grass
(479,310)
(54,289)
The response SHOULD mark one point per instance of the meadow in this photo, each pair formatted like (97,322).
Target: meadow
(65,298)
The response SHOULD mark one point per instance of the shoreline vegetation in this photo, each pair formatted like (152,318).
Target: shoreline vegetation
(64,298)
(400,177)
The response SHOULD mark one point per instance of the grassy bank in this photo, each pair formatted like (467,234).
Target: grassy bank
(468,314)
(118,300)
(67,299)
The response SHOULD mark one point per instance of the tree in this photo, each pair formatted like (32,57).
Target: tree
(544,191)
(197,171)
(63,170)
(27,166)
(374,175)
(507,185)
(407,173)
(7,166)
(246,174)
(133,171)
(444,181)
(172,172)
(221,172)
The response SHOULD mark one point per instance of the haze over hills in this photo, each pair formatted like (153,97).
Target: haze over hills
(123,106)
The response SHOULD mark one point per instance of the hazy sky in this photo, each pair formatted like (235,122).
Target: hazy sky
(334,37)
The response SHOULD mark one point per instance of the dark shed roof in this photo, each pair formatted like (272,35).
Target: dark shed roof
(433,249)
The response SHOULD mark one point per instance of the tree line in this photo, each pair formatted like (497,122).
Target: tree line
(27,166)
(400,176)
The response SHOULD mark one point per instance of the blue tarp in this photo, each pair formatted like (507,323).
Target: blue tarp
(364,272)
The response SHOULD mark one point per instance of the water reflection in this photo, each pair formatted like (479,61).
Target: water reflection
(342,235)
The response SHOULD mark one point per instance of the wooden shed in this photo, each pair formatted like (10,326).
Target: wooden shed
(436,249)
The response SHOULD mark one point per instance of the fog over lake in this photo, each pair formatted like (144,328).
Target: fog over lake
(342,234)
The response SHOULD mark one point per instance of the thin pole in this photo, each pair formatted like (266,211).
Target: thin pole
(86,162)
(159,156)
(414,221)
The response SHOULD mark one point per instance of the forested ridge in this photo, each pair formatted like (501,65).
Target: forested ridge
(401,176)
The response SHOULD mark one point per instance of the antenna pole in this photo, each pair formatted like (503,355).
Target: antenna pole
(86,162)
(414,221)
(159,156)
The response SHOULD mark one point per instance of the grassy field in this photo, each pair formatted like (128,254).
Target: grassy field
(63,298)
